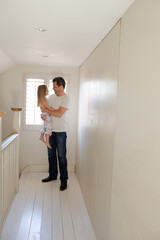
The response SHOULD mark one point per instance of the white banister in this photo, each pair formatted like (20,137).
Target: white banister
(9,164)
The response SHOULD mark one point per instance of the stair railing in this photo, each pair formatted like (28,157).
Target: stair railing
(9,164)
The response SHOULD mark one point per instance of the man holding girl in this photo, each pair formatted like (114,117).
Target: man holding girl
(58,106)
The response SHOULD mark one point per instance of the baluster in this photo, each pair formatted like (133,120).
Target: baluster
(16,129)
(1,172)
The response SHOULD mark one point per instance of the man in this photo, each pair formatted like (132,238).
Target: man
(60,104)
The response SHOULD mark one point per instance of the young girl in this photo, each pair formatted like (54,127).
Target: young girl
(47,124)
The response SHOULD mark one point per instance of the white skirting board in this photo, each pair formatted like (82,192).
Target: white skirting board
(43,168)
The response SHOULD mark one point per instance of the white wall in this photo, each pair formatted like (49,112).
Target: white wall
(32,151)
(135,210)
(5,62)
(97,108)
(120,178)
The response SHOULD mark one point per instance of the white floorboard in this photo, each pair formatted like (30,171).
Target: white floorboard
(46,222)
(68,228)
(41,212)
(56,220)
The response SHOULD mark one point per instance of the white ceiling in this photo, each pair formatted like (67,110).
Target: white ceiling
(73,29)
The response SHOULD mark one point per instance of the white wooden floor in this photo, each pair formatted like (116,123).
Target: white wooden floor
(41,212)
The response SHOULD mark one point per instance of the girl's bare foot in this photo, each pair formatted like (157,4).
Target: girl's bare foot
(42,138)
(48,145)
(47,141)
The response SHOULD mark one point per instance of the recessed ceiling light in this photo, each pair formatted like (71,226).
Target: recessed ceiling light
(40,29)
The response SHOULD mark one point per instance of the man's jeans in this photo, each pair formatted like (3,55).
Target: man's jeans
(58,143)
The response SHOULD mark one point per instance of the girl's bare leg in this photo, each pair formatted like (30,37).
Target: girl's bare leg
(42,137)
(47,141)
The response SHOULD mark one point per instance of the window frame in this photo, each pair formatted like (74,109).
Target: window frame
(46,77)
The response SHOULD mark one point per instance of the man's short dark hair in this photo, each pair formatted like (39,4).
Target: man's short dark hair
(60,81)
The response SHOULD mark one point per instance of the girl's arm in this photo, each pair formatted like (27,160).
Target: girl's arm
(45,104)
(52,111)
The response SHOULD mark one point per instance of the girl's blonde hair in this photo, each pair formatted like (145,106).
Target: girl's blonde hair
(41,94)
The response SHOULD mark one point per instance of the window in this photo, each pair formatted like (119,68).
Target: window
(32,112)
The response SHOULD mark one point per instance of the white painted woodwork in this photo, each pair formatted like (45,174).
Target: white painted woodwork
(68,231)
(9,173)
(96,130)
(41,212)
(135,211)
(1,176)
(46,223)
(8,140)
(56,217)
(26,219)
(129,176)
(9,168)
(16,119)
(16,129)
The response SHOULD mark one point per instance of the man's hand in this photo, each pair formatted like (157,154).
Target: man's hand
(56,112)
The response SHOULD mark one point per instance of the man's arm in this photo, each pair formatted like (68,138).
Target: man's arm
(55,112)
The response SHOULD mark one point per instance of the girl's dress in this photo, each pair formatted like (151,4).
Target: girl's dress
(47,124)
